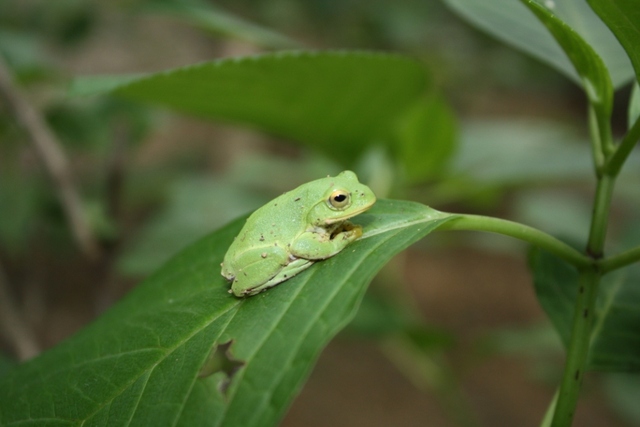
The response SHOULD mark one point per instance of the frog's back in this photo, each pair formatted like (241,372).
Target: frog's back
(276,223)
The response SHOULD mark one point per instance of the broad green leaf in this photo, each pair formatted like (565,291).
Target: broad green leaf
(591,69)
(512,23)
(427,136)
(337,102)
(623,19)
(616,333)
(140,363)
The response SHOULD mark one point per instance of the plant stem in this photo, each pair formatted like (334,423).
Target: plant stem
(620,260)
(578,351)
(599,219)
(519,231)
(614,164)
(578,348)
(597,150)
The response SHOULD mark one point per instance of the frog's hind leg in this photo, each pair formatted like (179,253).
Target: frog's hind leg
(257,267)
(283,273)
(293,268)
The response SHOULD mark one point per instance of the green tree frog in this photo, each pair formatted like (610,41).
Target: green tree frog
(294,230)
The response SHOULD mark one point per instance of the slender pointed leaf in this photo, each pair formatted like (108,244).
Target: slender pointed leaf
(634,105)
(623,18)
(142,362)
(337,102)
(616,334)
(216,20)
(510,22)
(588,64)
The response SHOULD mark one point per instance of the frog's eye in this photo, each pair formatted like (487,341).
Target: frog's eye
(339,199)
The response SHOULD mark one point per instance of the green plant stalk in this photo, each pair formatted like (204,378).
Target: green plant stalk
(615,162)
(578,351)
(521,232)
(597,149)
(620,260)
(600,216)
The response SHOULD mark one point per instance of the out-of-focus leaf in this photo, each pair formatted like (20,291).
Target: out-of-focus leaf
(634,105)
(556,212)
(623,393)
(381,315)
(511,22)
(194,206)
(21,50)
(198,204)
(337,102)
(591,69)
(515,152)
(426,138)
(539,338)
(249,171)
(214,19)
(377,169)
(6,364)
(376,317)
(623,19)
(98,85)
(21,202)
(616,334)
(139,363)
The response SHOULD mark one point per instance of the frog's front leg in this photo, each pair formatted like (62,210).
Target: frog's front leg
(314,245)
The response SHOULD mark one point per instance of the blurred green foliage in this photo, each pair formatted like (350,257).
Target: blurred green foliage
(414,131)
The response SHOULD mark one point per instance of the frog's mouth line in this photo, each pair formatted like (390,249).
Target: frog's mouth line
(351,215)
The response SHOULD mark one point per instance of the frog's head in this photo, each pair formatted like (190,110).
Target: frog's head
(342,197)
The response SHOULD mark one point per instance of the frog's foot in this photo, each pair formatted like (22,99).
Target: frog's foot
(347,230)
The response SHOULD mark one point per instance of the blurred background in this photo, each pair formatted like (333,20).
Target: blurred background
(450,334)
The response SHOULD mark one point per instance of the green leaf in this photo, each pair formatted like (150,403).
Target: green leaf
(616,334)
(623,19)
(623,394)
(510,22)
(634,105)
(142,362)
(588,64)
(193,207)
(523,148)
(217,21)
(6,364)
(337,102)
(427,136)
